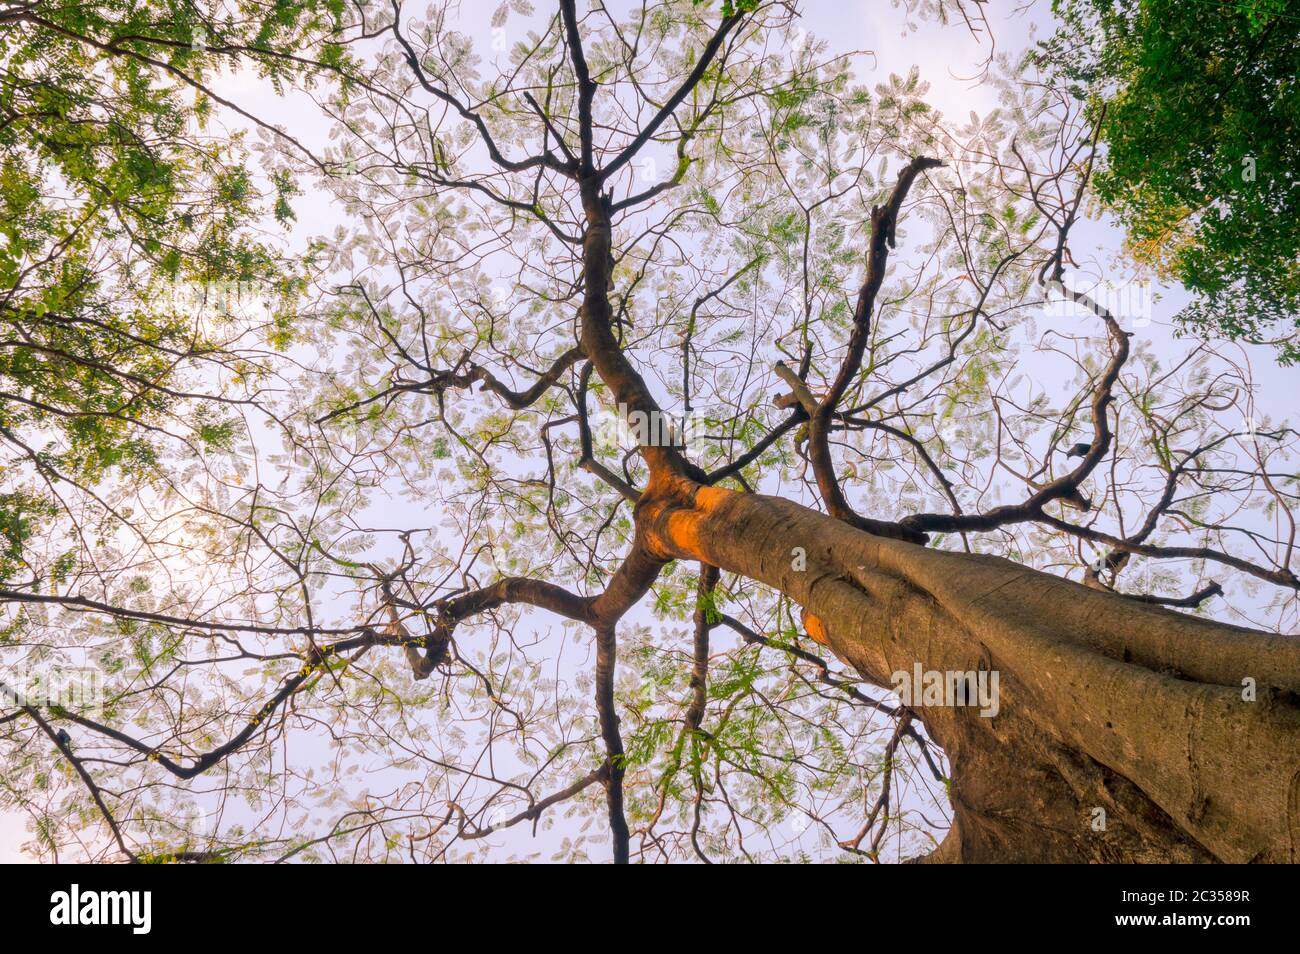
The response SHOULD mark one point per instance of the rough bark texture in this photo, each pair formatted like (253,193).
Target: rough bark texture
(1104,702)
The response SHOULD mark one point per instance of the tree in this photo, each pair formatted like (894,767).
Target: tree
(125,214)
(669,306)
(1199,111)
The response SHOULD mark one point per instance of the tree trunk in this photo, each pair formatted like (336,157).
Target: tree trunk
(1105,703)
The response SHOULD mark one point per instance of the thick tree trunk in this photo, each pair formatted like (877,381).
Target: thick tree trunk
(1105,703)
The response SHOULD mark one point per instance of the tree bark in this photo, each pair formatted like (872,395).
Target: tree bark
(1105,702)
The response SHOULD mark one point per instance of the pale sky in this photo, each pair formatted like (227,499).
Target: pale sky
(947,57)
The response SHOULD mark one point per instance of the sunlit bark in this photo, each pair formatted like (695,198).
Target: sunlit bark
(1106,703)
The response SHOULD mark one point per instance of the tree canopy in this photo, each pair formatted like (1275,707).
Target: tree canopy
(125,215)
(662,388)
(1198,106)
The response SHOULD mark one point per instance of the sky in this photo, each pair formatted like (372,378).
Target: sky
(949,59)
